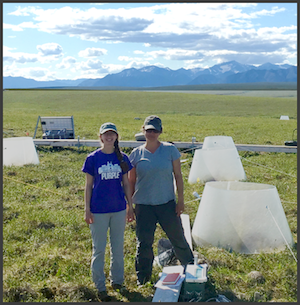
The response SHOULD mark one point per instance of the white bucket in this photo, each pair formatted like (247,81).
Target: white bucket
(19,151)
(241,216)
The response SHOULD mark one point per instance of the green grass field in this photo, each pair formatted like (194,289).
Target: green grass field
(47,244)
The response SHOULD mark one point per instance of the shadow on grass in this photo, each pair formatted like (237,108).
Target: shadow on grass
(83,293)
(134,296)
(19,294)
(75,294)
(80,150)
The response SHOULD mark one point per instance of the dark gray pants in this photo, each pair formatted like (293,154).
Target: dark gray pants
(147,217)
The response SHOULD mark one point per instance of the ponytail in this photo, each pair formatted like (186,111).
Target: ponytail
(123,163)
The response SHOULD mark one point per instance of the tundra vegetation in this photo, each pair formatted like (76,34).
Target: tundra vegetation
(46,243)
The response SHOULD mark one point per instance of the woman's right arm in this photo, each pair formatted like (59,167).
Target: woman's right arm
(89,181)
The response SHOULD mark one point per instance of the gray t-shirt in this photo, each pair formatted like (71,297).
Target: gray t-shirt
(154,174)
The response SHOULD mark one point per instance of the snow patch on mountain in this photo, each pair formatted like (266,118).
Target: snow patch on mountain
(225,68)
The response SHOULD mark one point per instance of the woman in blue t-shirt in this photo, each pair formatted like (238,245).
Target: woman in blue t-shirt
(106,187)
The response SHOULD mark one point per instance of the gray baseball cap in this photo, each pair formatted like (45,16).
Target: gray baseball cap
(108,126)
(153,122)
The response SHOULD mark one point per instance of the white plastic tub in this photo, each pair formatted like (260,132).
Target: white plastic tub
(241,216)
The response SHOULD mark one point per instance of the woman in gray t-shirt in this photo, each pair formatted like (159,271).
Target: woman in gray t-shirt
(155,165)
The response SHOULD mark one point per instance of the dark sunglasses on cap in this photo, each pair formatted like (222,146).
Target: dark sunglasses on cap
(152,130)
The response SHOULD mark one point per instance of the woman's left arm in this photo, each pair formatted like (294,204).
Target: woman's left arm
(128,194)
(179,185)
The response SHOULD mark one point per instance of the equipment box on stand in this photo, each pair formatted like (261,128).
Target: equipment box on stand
(56,127)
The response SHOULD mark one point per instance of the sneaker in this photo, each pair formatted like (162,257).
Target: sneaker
(103,296)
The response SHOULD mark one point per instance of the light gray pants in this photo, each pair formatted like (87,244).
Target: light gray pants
(116,223)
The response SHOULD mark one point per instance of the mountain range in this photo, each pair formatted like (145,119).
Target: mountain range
(152,76)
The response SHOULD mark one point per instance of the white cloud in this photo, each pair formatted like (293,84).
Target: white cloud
(70,60)
(128,58)
(91,64)
(137,64)
(92,52)
(172,25)
(47,49)
(111,68)
(28,25)
(264,12)
(18,57)
(174,54)
(21,11)
(39,74)
(48,53)
(124,58)
(67,63)
(193,33)
(7,50)
(12,27)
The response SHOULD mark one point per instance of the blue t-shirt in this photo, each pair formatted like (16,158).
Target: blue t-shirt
(108,194)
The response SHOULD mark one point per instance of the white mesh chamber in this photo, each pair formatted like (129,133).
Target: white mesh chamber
(19,151)
(218,160)
(218,142)
(241,216)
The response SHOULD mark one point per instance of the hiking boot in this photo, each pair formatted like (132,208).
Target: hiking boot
(119,287)
(103,296)
(142,282)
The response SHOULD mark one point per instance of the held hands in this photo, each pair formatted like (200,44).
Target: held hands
(179,207)
(88,217)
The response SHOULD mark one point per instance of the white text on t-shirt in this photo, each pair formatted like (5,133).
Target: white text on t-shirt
(109,171)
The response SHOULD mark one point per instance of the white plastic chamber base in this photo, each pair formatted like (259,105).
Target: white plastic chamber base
(241,216)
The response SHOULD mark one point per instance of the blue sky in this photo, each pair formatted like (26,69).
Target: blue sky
(47,41)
